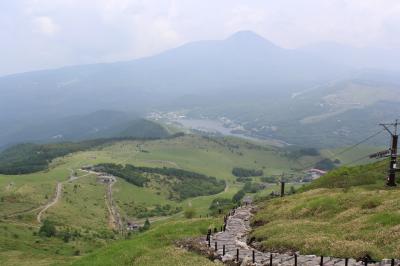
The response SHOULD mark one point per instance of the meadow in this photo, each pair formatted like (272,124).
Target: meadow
(82,205)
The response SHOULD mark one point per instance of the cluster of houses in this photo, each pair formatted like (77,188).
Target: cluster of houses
(312,174)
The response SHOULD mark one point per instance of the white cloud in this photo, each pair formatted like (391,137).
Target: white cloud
(45,25)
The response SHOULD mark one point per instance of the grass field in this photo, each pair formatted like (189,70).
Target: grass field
(82,203)
(154,247)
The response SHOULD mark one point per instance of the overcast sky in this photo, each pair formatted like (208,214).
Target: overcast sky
(37,34)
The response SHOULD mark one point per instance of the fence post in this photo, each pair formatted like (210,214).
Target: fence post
(209,242)
(392,262)
(254,256)
(223,250)
(295,259)
(237,255)
(216,247)
(270,259)
(346,262)
(322,261)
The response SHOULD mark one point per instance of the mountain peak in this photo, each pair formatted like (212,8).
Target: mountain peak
(249,37)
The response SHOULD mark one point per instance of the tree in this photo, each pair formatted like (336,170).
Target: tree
(47,229)
(146,225)
(190,213)
(238,196)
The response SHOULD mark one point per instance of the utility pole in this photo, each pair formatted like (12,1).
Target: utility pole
(391,179)
(282,185)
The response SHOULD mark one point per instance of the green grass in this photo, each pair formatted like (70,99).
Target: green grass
(370,175)
(154,247)
(85,210)
(346,213)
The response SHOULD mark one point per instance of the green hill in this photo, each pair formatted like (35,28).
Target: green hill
(347,213)
(368,175)
(82,208)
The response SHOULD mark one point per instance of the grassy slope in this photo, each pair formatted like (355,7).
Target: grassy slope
(190,152)
(155,247)
(347,213)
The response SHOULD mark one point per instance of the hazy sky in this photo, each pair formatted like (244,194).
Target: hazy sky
(36,34)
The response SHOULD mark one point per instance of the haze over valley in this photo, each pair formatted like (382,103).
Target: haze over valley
(176,132)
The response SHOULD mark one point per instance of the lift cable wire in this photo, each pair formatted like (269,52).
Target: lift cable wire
(333,156)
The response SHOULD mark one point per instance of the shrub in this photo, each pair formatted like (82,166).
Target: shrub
(190,213)
(47,229)
(238,196)
(243,172)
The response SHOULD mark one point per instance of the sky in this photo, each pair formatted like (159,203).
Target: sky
(40,34)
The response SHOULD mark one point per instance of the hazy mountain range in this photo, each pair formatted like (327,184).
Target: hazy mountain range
(272,90)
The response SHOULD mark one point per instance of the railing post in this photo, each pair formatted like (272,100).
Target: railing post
(270,259)
(216,246)
(295,259)
(209,242)
(254,256)
(392,262)
(223,250)
(237,255)
(322,261)
(346,261)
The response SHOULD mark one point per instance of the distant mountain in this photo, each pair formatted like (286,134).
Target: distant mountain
(270,90)
(100,124)
(243,62)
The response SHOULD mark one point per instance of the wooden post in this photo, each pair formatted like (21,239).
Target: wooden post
(254,256)
(223,250)
(322,261)
(282,188)
(346,262)
(295,259)
(270,259)
(216,247)
(237,255)
(392,262)
(209,242)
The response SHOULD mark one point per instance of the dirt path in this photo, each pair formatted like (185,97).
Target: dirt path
(115,220)
(53,202)
(235,238)
(57,196)
(174,164)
